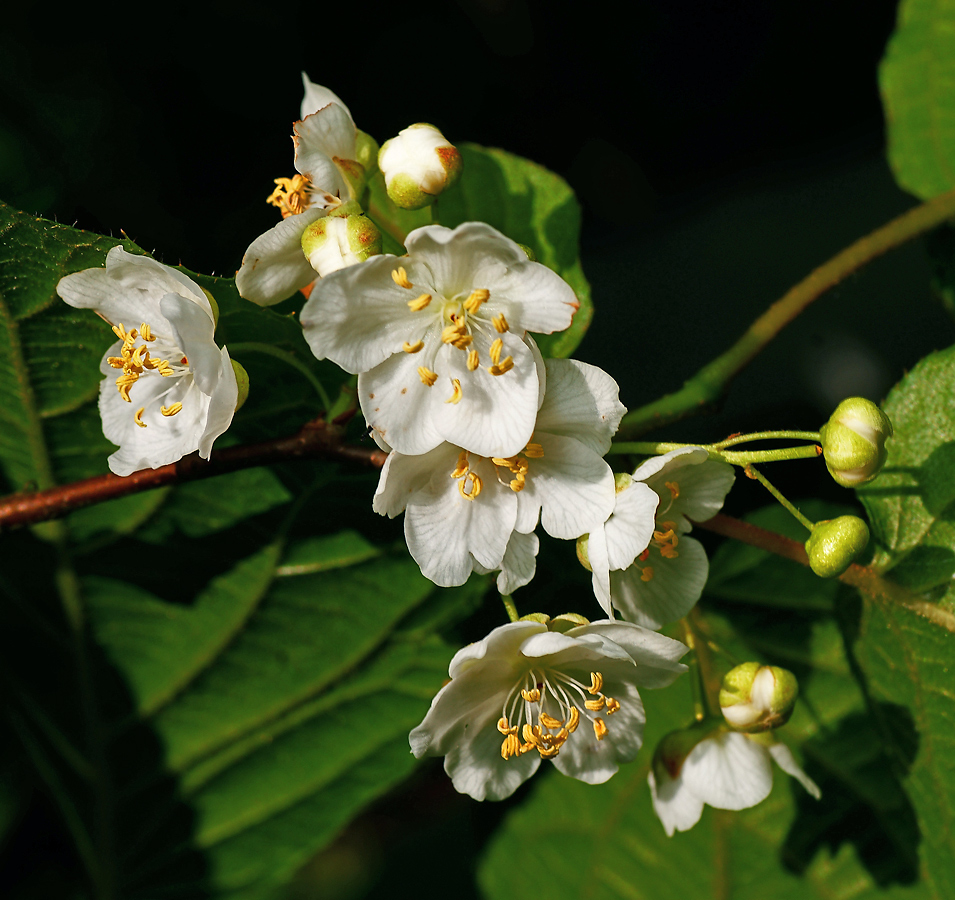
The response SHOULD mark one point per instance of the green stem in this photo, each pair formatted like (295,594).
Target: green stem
(269,350)
(508,602)
(752,472)
(736,458)
(766,436)
(696,677)
(711,382)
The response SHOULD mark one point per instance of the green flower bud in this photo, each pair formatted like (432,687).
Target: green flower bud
(757,698)
(565,621)
(853,441)
(418,165)
(337,241)
(214,305)
(242,380)
(835,544)
(543,618)
(621,481)
(366,151)
(582,556)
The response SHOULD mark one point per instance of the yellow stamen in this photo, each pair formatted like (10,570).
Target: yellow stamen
(646,574)
(427,377)
(600,729)
(138,418)
(500,323)
(532,696)
(120,332)
(290,196)
(612,706)
(412,348)
(503,726)
(673,487)
(476,485)
(457,394)
(549,721)
(534,451)
(145,332)
(573,719)
(595,705)
(400,277)
(474,301)
(596,683)
(473,360)
(506,365)
(117,362)
(170,410)
(517,484)
(510,747)
(495,351)
(462,466)
(420,302)
(457,335)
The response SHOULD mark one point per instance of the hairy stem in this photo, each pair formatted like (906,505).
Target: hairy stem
(711,382)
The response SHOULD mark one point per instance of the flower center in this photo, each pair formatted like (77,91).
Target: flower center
(665,539)
(470,484)
(544,709)
(137,360)
(294,195)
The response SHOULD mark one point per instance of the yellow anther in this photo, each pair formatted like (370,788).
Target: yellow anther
(120,332)
(117,362)
(474,301)
(137,356)
(500,323)
(138,418)
(427,377)
(133,334)
(510,747)
(517,484)
(596,683)
(145,332)
(527,732)
(462,467)
(612,706)
(164,369)
(420,302)
(476,485)
(171,410)
(290,196)
(673,487)
(506,365)
(456,393)
(573,719)
(504,727)
(495,351)
(534,451)
(550,722)
(456,335)
(548,752)
(600,729)
(412,348)
(595,705)
(646,574)
(531,696)
(473,361)
(400,277)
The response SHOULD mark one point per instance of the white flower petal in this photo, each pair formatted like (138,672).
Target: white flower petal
(503,644)
(222,402)
(582,402)
(787,762)
(655,656)
(728,771)
(600,569)
(670,594)
(703,488)
(319,139)
(519,563)
(677,808)
(533,297)
(193,330)
(274,267)
(402,476)
(630,528)
(318,96)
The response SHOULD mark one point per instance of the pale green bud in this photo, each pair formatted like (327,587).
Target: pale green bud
(757,698)
(242,380)
(582,556)
(853,441)
(543,618)
(418,165)
(366,151)
(214,305)
(565,621)
(835,544)
(621,481)
(337,241)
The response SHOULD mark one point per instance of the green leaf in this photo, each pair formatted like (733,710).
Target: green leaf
(520,198)
(917,78)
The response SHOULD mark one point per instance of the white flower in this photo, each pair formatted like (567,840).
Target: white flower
(664,578)
(274,266)
(726,770)
(465,512)
(169,389)
(438,338)
(525,693)
(418,165)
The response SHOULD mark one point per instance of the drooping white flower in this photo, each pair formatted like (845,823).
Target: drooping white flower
(726,770)
(464,511)
(439,338)
(525,693)
(328,174)
(169,390)
(664,578)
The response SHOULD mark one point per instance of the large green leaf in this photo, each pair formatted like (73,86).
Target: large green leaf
(917,77)
(860,841)
(522,199)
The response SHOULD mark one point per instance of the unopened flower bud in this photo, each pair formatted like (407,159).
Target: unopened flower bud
(366,151)
(542,618)
(418,165)
(582,555)
(242,381)
(757,698)
(565,621)
(621,481)
(336,241)
(835,544)
(853,441)
(214,305)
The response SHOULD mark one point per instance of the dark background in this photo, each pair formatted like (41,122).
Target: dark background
(721,150)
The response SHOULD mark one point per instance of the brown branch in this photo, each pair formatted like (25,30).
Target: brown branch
(866,579)
(317,439)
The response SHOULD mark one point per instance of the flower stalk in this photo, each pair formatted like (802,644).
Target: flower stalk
(734,457)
